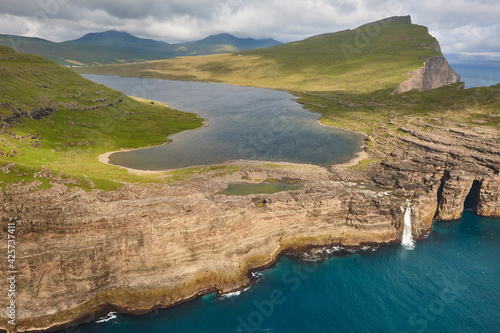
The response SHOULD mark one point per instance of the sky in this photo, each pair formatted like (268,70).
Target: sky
(467,27)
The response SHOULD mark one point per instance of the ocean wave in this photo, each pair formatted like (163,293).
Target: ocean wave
(234,293)
(334,249)
(257,274)
(110,316)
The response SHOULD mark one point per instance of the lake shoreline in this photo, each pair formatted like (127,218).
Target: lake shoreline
(250,123)
(104,158)
(355,160)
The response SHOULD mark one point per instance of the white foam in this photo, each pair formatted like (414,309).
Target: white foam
(235,293)
(110,316)
(256,274)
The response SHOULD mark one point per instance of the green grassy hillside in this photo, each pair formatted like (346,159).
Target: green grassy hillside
(371,57)
(54,123)
(54,119)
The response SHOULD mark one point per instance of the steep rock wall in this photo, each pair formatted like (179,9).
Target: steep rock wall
(456,185)
(489,198)
(449,163)
(435,73)
(139,247)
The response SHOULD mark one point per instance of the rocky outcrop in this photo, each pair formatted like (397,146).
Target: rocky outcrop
(489,198)
(456,186)
(79,253)
(435,73)
(456,164)
(138,248)
(14,113)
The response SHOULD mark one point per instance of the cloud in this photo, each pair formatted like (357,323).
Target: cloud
(460,26)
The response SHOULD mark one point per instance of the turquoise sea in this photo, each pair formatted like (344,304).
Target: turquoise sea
(450,282)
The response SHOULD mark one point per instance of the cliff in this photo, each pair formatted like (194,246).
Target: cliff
(459,167)
(371,57)
(139,247)
(435,73)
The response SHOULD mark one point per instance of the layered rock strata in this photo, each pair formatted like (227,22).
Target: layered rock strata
(141,247)
(435,73)
(460,166)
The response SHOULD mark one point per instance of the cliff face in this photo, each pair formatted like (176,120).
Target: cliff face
(435,73)
(137,248)
(461,190)
(489,198)
(458,167)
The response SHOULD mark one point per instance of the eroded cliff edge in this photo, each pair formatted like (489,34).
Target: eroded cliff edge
(435,73)
(142,247)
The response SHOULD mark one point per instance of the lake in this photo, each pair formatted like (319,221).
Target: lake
(245,123)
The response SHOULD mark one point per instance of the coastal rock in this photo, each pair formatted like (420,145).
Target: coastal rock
(435,73)
(424,205)
(489,198)
(448,168)
(83,253)
(455,188)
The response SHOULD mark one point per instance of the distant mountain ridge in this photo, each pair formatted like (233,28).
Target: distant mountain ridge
(122,40)
(113,46)
(243,44)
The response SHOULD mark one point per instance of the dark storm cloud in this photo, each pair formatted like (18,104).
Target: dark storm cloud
(122,9)
(130,9)
(461,25)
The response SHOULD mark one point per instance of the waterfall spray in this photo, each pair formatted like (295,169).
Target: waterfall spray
(407,241)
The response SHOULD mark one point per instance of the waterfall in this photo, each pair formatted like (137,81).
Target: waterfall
(407,241)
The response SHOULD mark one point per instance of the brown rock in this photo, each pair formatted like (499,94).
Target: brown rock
(455,188)
(435,73)
(489,198)
(137,248)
